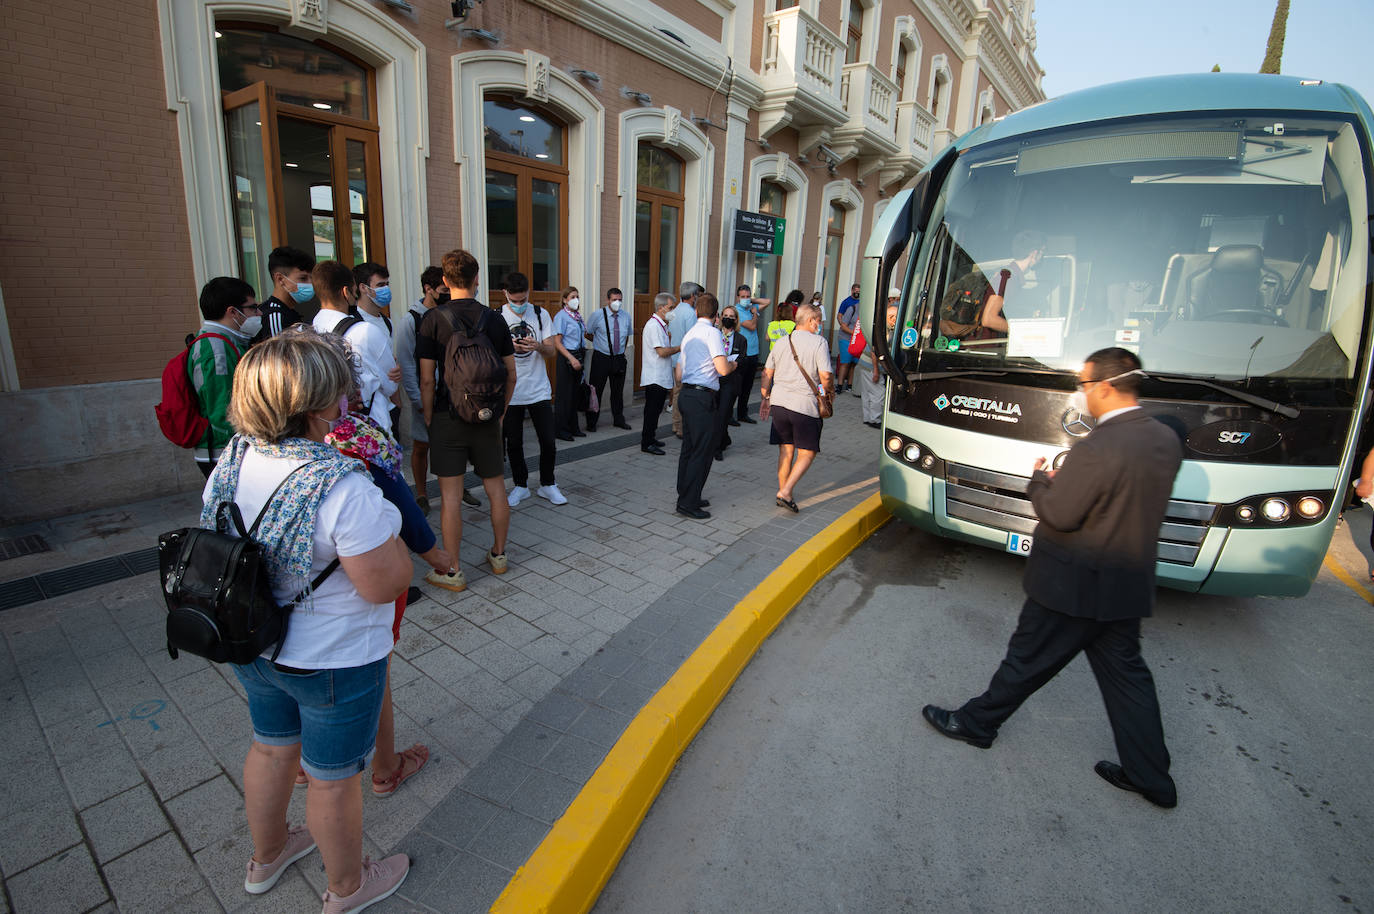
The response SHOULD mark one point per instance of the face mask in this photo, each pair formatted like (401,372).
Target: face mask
(303,292)
(342,417)
(574,304)
(1079,400)
(728,323)
(615,306)
(382,296)
(518,307)
(745,301)
(251,326)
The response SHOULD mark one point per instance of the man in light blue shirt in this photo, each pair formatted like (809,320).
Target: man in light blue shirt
(610,330)
(750,322)
(679,322)
(701,364)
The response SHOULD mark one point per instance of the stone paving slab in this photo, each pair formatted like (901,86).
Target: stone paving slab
(132,793)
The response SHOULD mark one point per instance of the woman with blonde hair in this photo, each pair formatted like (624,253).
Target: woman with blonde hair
(316,704)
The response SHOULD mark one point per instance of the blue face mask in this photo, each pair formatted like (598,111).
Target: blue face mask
(519,307)
(303,292)
(382,296)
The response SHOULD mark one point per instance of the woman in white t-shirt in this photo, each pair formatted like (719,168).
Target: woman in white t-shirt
(317,703)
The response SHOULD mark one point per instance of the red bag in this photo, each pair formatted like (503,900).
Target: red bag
(178,415)
(857,343)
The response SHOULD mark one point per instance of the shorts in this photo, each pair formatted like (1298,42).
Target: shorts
(332,714)
(845,357)
(453,444)
(418,432)
(797,429)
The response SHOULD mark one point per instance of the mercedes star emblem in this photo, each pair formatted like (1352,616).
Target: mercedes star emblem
(1076,423)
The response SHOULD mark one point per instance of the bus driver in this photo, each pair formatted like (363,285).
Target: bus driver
(972,308)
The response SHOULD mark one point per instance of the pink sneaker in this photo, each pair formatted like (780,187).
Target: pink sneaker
(380,880)
(262,876)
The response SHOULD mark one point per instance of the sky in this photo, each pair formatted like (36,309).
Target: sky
(1084,43)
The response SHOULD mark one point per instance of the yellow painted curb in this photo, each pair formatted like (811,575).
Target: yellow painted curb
(567,871)
(1347,578)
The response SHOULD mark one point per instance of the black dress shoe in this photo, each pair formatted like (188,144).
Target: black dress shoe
(470,500)
(704,503)
(694,513)
(720,456)
(735,423)
(591,428)
(565,437)
(579,434)
(623,424)
(1115,775)
(948,723)
(654,449)
(748,420)
(658,443)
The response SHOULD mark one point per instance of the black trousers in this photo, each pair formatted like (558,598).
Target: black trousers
(608,368)
(513,425)
(569,386)
(725,408)
(1043,644)
(654,398)
(748,367)
(698,408)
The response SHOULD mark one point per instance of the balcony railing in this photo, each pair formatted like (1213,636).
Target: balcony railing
(868,96)
(798,49)
(915,129)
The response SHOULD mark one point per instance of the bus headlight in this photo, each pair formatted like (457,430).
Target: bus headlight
(1245,513)
(894,444)
(1275,510)
(912,453)
(1310,507)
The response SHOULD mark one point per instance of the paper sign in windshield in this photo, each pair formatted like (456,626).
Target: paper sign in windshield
(1035,337)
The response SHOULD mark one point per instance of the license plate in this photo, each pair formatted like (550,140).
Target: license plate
(1018,544)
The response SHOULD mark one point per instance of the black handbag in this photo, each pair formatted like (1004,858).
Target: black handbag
(219,598)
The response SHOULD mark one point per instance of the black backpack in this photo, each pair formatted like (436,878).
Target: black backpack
(473,373)
(219,598)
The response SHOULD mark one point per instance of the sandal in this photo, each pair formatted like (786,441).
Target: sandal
(788,503)
(412,760)
(301,779)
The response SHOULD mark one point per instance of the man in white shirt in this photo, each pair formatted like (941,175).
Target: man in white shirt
(378,374)
(701,364)
(679,322)
(531,333)
(656,370)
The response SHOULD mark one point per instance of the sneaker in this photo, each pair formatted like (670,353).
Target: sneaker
(423,502)
(517,495)
(262,876)
(498,563)
(552,494)
(454,580)
(380,879)
(470,500)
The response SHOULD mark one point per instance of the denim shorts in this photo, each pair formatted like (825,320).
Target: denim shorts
(332,714)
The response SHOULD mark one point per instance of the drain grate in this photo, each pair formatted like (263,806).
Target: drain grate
(19,593)
(140,562)
(79,577)
(23,545)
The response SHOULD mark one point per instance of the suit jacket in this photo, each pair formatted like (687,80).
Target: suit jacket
(1096,543)
(729,384)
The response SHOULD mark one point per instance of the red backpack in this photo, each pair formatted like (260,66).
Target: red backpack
(178,415)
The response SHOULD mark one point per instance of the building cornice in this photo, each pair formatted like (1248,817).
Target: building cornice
(998,60)
(707,65)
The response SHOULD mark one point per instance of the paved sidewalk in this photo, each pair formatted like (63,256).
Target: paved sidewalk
(127,787)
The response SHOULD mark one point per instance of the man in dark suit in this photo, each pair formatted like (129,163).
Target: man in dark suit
(735,348)
(1090,579)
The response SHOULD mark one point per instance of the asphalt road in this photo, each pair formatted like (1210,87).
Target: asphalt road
(817,787)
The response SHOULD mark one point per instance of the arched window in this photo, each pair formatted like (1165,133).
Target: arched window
(830,266)
(526,197)
(301,129)
(766,269)
(658,221)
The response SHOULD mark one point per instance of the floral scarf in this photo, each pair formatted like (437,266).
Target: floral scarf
(287,530)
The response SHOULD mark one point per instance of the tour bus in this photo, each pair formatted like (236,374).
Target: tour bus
(1217,225)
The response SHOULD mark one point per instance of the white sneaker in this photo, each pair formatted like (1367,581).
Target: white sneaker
(517,495)
(552,494)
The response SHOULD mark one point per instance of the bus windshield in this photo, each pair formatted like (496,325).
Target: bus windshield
(1229,247)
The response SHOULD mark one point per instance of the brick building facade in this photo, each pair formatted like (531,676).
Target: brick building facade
(596,143)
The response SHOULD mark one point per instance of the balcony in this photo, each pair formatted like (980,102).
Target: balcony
(870,128)
(801,77)
(915,141)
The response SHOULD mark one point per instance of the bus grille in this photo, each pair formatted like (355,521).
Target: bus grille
(998,500)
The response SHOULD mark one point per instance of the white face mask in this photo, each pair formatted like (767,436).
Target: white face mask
(615,306)
(1079,400)
(574,304)
(251,326)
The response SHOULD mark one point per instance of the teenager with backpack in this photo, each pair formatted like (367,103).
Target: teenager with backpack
(231,319)
(467,378)
(379,375)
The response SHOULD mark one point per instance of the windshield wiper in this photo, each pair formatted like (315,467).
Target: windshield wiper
(1292,412)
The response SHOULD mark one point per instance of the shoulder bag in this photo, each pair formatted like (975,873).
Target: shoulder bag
(825,404)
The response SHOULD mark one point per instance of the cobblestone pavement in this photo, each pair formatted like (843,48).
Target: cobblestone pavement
(125,787)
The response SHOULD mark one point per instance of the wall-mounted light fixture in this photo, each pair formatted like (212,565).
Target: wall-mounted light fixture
(706,122)
(642,97)
(401,5)
(489,37)
(586,75)
(762,143)
(460,9)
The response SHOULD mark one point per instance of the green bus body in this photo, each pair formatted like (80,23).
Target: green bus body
(1216,224)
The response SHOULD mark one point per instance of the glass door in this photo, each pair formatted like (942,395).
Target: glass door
(658,234)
